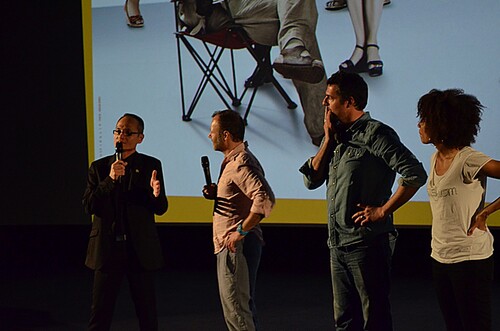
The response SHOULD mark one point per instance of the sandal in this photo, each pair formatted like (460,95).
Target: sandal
(341,4)
(336,5)
(359,67)
(135,21)
(375,67)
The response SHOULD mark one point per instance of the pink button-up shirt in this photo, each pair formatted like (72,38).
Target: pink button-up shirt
(242,188)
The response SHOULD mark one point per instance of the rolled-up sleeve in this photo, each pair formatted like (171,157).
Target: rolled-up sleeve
(256,188)
(417,180)
(307,171)
(262,204)
(398,157)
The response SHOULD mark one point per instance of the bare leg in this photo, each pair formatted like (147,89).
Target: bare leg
(133,7)
(373,14)
(356,12)
(133,12)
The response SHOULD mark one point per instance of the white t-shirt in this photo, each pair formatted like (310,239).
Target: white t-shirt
(455,197)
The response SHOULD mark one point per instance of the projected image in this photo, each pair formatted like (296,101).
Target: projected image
(260,25)
(424,45)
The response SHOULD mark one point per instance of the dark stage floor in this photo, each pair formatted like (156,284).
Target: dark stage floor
(44,285)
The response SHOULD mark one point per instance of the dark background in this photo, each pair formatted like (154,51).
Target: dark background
(43,229)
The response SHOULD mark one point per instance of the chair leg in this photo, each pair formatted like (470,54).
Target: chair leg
(215,75)
(210,70)
(262,55)
(254,92)
(289,101)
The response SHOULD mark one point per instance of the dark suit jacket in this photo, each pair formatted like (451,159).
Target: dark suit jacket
(137,201)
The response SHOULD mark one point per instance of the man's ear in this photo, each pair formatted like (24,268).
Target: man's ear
(141,138)
(351,102)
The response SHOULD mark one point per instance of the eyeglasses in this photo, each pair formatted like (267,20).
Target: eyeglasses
(127,133)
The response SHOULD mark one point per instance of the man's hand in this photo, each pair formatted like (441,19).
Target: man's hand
(368,214)
(117,169)
(328,125)
(210,191)
(155,184)
(233,239)
(249,223)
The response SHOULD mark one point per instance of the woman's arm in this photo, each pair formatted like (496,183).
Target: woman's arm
(480,219)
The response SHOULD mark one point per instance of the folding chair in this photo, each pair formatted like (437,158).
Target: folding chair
(231,38)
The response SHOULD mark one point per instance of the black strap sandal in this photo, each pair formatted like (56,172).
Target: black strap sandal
(359,67)
(375,67)
(135,21)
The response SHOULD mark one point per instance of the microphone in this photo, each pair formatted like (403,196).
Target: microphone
(205,164)
(118,150)
(118,154)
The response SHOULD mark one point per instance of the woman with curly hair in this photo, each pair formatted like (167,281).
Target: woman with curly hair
(462,245)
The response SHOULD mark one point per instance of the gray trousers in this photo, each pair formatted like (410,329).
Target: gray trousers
(271,23)
(276,22)
(234,289)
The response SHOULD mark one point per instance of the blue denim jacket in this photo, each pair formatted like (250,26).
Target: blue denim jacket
(362,170)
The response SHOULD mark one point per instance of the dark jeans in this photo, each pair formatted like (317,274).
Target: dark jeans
(252,250)
(464,293)
(361,285)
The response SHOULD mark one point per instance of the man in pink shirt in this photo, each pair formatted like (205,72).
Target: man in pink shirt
(242,199)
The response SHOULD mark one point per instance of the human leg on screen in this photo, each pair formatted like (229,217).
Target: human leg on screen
(133,14)
(357,61)
(298,20)
(373,12)
(365,18)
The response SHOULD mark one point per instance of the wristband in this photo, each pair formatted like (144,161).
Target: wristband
(240,230)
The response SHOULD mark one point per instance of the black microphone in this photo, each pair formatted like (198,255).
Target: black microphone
(205,164)
(119,150)
(118,154)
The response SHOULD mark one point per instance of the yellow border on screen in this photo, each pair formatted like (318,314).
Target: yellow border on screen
(87,61)
(294,211)
(198,210)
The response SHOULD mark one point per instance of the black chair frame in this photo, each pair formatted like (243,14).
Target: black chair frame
(213,74)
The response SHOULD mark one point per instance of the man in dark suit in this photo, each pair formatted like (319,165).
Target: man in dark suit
(124,192)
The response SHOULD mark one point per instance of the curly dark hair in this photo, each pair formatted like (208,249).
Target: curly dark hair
(450,116)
